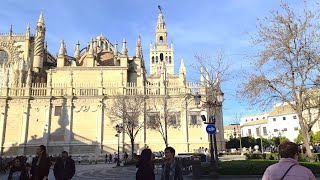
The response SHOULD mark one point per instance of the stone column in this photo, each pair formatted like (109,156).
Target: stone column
(186,123)
(100,126)
(68,121)
(47,123)
(25,126)
(3,122)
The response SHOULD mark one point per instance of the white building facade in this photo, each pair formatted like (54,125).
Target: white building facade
(281,121)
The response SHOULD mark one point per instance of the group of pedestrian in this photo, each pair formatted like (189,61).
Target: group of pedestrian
(171,169)
(64,167)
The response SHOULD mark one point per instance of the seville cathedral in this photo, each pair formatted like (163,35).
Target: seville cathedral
(65,101)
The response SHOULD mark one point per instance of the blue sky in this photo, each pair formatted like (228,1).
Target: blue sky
(195,27)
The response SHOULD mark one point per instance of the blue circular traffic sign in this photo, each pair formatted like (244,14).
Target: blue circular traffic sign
(211,129)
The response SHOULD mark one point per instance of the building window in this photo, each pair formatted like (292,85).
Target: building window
(161,39)
(294,117)
(57,110)
(296,128)
(193,119)
(161,57)
(257,118)
(156,59)
(152,59)
(263,118)
(258,131)
(251,119)
(274,119)
(284,118)
(174,118)
(275,130)
(152,118)
(169,59)
(284,129)
(249,132)
(246,120)
(3,56)
(265,133)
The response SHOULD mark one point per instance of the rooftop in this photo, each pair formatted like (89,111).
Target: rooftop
(257,122)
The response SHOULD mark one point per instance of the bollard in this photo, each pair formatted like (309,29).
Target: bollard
(196,167)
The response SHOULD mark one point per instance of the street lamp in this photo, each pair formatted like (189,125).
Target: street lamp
(214,100)
(119,129)
(260,129)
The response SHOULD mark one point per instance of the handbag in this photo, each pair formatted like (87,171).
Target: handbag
(287,171)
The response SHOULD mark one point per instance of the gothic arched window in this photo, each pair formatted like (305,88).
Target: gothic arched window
(3,56)
(161,39)
(156,59)
(169,59)
(161,57)
(152,59)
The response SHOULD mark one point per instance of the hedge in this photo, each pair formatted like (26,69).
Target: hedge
(254,167)
(275,156)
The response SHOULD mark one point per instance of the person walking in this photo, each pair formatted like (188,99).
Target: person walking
(125,156)
(18,171)
(171,170)
(79,159)
(288,166)
(115,157)
(40,164)
(145,166)
(64,168)
(110,158)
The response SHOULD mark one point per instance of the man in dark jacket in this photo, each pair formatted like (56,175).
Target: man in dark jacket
(64,168)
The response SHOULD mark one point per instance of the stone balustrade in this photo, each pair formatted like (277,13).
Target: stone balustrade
(93,89)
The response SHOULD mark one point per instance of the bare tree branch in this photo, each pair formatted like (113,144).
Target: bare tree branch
(126,110)
(287,65)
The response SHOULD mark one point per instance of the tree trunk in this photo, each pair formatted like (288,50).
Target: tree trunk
(306,139)
(132,148)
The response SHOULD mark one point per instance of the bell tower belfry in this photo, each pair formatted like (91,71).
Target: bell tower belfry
(160,52)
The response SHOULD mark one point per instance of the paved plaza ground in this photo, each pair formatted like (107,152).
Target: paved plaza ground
(103,172)
(110,172)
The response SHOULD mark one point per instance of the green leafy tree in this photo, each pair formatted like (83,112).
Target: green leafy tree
(299,138)
(316,138)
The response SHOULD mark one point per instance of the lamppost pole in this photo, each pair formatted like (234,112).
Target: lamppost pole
(214,100)
(260,129)
(212,158)
(119,129)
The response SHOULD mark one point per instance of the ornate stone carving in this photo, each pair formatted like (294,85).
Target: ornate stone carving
(84,101)
(19,101)
(12,50)
(40,101)
(83,108)
(3,103)
(58,102)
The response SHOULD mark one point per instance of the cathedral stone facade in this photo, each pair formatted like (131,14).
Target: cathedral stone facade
(65,101)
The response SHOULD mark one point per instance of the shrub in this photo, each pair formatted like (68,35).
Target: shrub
(130,163)
(254,156)
(244,167)
(272,156)
(255,167)
(230,153)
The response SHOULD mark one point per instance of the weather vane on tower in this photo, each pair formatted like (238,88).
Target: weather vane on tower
(160,9)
